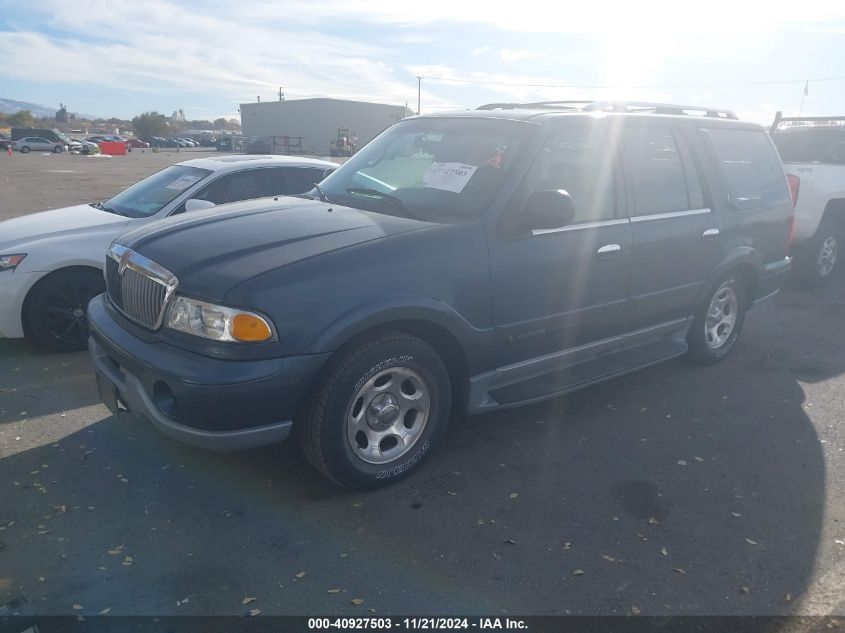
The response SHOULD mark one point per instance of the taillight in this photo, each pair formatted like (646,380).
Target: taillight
(794,187)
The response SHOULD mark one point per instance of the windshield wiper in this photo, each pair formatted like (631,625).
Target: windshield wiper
(102,207)
(380,195)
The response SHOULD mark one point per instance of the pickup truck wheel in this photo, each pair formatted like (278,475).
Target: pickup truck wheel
(718,321)
(54,314)
(818,262)
(377,412)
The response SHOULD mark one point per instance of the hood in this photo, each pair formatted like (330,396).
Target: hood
(55,223)
(213,252)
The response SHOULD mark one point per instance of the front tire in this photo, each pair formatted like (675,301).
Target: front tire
(817,264)
(58,149)
(377,411)
(718,321)
(55,311)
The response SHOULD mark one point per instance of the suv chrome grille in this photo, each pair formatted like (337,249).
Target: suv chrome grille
(138,287)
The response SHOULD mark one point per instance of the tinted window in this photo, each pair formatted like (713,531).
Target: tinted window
(302,179)
(655,170)
(242,185)
(577,159)
(750,164)
(811,144)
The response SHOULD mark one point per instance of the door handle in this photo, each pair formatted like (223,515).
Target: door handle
(710,233)
(609,250)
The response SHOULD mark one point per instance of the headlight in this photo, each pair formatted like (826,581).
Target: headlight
(219,323)
(10,262)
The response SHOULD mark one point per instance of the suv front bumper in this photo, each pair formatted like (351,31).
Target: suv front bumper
(208,402)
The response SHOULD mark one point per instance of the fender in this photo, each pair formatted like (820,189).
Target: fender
(741,255)
(477,343)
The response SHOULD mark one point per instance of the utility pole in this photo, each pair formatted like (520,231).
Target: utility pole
(281,94)
(419,89)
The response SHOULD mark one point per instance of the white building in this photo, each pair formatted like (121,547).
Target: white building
(317,120)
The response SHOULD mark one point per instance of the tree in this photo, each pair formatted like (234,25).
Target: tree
(149,124)
(21,118)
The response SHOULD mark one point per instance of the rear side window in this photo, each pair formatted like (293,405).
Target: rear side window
(662,174)
(816,144)
(751,167)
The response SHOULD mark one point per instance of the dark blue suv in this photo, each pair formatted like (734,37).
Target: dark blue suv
(460,262)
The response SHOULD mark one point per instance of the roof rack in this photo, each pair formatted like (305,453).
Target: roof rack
(616,106)
(779,118)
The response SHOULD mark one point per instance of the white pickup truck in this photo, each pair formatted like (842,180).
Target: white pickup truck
(813,153)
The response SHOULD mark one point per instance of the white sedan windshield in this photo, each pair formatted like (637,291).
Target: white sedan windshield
(150,195)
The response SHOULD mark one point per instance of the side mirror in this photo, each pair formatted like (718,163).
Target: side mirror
(549,209)
(197,205)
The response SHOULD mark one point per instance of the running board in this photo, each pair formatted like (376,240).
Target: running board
(588,373)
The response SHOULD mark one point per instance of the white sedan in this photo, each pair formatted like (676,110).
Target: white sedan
(38,144)
(51,262)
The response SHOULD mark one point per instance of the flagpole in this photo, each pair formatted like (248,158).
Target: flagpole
(804,96)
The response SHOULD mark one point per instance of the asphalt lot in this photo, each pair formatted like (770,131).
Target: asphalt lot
(677,490)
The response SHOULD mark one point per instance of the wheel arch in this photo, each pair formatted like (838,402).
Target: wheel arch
(43,279)
(834,212)
(745,261)
(447,333)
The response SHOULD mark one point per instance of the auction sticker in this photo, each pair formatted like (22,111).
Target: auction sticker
(448,176)
(183,182)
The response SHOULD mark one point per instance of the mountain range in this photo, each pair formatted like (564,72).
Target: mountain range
(10,106)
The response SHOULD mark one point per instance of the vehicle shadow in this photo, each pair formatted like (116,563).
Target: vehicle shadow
(678,490)
(36,383)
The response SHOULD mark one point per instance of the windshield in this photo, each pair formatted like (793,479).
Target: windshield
(432,168)
(819,144)
(147,197)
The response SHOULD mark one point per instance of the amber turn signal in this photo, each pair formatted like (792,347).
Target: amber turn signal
(250,328)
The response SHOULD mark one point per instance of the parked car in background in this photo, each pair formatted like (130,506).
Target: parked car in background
(5,142)
(86,147)
(38,144)
(470,261)
(137,143)
(813,150)
(51,263)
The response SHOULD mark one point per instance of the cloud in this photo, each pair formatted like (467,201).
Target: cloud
(158,47)
(477,51)
(527,87)
(510,56)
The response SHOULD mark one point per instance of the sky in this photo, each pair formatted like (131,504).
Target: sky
(120,58)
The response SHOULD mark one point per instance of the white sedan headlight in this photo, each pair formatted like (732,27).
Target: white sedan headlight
(216,322)
(10,262)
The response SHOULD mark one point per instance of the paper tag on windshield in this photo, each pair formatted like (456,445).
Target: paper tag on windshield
(448,176)
(183,182)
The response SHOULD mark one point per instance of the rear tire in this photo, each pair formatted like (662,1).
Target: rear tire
(718,321)
(25,149)
(818,260)
(55,311)
(377,411)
